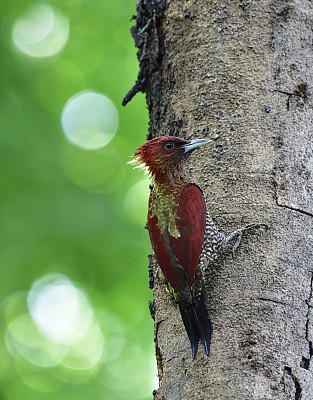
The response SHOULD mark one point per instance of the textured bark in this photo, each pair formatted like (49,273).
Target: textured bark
(240,72)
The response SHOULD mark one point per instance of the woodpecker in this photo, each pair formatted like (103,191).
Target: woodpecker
(182,234)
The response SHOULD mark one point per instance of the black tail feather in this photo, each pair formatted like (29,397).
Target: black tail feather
(204,322)
(198,325)
(192,329)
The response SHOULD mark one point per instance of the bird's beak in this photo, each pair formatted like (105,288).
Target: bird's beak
(193,144)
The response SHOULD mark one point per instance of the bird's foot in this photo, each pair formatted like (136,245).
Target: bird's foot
(239,232)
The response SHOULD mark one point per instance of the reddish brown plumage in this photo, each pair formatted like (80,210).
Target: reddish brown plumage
(166,165)
(190,221)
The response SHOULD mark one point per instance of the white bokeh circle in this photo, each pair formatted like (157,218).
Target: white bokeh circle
(89,120)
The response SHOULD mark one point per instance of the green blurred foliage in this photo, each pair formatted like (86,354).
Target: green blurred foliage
(72,211)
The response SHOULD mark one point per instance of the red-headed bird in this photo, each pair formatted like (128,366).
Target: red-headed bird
(182,233)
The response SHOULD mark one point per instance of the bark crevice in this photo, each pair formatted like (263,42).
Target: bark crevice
(305,362)
(299,210)
(296,382)
(158,352)
(272,300)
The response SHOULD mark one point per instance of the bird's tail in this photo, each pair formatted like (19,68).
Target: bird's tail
(198,324)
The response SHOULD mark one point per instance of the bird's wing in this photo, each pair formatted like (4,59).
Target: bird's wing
(191,214)
(183,251)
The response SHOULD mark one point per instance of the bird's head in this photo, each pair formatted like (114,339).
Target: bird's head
(164,156)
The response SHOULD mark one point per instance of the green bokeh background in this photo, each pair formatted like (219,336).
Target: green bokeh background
(76,212)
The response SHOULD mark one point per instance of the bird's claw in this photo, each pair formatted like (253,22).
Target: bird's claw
(239,234)
(236,245)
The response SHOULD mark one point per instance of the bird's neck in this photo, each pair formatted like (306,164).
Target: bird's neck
(170,186)
(171,181)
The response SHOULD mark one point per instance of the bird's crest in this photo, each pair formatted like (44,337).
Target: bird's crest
(138,164)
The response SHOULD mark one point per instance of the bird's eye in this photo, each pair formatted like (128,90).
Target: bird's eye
(169,145)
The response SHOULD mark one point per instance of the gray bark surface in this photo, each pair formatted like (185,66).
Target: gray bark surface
(240,72)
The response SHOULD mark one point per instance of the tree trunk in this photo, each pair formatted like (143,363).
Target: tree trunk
(240,72)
